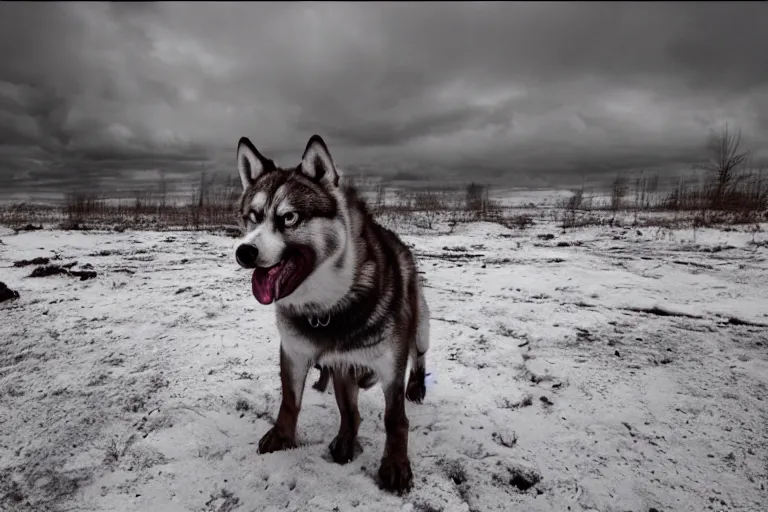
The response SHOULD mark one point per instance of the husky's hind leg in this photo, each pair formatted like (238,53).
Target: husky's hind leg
(417,386)
(322,381)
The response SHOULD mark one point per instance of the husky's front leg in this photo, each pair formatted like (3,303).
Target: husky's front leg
(395,470)
(293,375)
(346,389)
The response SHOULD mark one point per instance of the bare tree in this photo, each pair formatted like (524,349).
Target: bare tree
(476,197)
(429,202)
(725,157)
(163,189)
(618,191)
(163,194)
(573,203)
(381,197)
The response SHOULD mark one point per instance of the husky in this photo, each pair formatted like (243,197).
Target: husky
(347,296)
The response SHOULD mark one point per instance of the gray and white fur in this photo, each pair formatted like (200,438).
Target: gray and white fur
(352,304)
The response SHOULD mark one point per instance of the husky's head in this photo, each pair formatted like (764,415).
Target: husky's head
(295,224)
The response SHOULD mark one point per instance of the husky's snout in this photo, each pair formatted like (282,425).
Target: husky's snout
(246,255)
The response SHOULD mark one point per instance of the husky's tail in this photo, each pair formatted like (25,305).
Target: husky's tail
(417,386)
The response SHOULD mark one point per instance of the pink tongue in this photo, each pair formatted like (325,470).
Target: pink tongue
(263,283)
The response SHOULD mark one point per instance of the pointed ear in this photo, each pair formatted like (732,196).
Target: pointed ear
(317,162)
(250,162)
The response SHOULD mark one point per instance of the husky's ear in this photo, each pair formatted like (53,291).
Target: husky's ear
(250,162)
(317,162)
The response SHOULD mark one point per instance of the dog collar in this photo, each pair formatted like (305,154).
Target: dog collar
(316,321)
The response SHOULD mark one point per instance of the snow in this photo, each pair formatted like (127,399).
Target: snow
(613,364)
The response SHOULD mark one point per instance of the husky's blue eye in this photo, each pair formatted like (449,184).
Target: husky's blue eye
(255,216)
(290,218)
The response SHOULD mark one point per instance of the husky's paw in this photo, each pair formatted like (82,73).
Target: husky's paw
(344,449)
(275,441)
(395,474)
(417,386)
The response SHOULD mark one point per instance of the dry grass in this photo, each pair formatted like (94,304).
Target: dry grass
(730,193)
(731,190)
(212,206)
(704,203)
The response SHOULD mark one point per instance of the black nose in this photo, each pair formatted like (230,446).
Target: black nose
(246,256)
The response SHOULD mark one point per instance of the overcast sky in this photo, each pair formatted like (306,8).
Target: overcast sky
(108,94)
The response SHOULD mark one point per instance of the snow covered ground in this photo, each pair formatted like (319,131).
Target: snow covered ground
(602,369)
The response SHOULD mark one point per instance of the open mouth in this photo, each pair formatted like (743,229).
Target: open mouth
(271,284)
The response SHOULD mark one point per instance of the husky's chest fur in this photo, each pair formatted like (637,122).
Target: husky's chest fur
(360,329)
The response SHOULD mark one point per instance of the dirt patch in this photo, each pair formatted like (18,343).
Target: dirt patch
(84,275)
(740,321)
(105,252)
(73,226)
(658,311)
(520,476)
(693,264)
(28,227)
(53,270)
(48,270)
(451,256)
(33,261)
(524,401)
(38,489)
(507,439)
(6,293)
(223,501)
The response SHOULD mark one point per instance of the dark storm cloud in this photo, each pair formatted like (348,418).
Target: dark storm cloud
(90,91)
